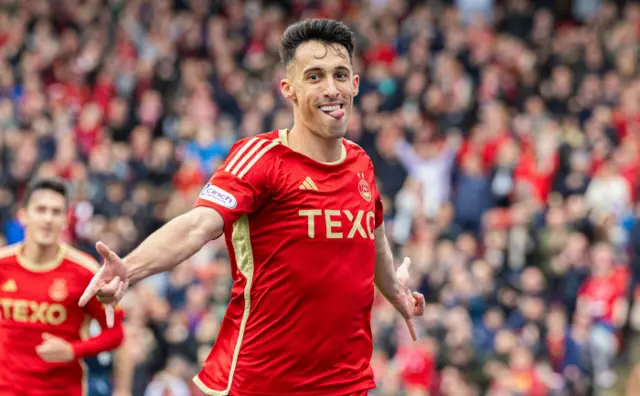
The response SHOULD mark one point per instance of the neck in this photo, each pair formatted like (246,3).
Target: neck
(315,147)
(40,254)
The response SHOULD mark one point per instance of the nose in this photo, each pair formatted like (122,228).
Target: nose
(48,216)
(331,90)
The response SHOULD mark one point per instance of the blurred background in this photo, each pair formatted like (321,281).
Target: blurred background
(506,141)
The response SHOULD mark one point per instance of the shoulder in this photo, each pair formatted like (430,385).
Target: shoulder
(355,150)
(264,141)
(253,153)
(9,252)
(84,262)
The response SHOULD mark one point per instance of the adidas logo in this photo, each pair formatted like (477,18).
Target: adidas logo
(10,286)
(308,184)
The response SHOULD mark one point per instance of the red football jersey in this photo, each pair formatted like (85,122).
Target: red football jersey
(43,298)
(600,295)
(300,235)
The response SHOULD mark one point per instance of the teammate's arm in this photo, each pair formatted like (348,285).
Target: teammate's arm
(54,349)
(394,284)
(108,339)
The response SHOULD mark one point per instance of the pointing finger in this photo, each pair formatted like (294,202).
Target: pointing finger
(108,309)
(412,329)
(91,290)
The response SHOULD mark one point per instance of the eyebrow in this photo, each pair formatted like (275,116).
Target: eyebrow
(319,69)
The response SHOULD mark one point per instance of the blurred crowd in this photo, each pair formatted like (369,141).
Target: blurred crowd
(505,138)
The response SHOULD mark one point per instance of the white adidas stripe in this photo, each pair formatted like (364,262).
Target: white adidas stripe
(257,157)
(248,155)
(239,154)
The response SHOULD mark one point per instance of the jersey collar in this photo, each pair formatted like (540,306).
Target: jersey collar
(283,136)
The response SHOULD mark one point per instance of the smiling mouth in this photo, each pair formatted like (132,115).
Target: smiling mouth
(330,108)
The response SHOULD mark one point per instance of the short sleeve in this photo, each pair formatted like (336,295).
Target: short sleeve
(96,310)
(236,187)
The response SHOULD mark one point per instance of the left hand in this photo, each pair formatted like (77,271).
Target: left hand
(55,349)
(408,303)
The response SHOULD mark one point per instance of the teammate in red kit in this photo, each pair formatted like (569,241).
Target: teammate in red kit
(41,325)
(303,222)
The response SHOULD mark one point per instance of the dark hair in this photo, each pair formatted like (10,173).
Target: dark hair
(52,184)
(327,31)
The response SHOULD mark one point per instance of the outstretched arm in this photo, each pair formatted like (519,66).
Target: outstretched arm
(236,189)
(394,284)
(175,242)
(109,338)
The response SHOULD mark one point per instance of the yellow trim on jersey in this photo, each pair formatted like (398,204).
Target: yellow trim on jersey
(257,157)
(239,154)
(283,135)
(41,267)
(246,157)
(82,259)
(238,163)
(244,260)
(84,334)
(9,250)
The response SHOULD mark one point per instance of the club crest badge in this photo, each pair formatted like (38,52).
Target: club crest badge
(58,290)
(363,187)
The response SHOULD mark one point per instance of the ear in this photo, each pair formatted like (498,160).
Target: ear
(286,86)
(356,85)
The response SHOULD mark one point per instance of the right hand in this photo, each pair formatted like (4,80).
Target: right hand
(108,284)
(408,303)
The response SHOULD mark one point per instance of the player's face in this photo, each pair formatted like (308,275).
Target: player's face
(44,217)
(321,83)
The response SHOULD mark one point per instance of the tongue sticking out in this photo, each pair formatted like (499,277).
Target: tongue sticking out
(337,113)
